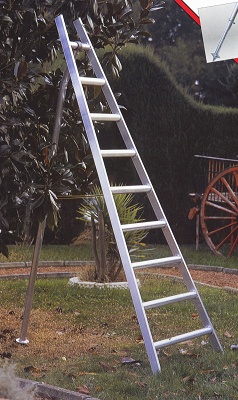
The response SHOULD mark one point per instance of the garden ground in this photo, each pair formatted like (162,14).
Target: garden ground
(89,341)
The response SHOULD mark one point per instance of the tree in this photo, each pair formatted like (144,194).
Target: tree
(106,255)
(32,174)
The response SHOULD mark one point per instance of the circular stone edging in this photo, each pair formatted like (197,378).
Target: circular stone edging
(109,285)
(211,268)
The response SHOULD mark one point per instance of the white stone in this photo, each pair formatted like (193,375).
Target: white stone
(90,285)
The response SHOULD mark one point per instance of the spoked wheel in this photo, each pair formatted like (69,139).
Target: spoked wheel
(219,213)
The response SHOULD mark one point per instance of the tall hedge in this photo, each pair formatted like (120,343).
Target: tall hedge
(169,128)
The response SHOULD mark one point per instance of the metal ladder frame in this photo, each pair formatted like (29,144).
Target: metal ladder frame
(140,307)
(231,21)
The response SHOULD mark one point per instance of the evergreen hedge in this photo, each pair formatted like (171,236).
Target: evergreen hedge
(169,127)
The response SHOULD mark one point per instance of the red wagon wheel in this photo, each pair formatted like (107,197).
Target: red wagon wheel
(219,212)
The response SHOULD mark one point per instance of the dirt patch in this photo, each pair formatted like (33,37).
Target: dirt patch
(85,273)
(213,278)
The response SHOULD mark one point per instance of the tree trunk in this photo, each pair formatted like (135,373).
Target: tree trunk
(103,260)
(27,236)
(95,253)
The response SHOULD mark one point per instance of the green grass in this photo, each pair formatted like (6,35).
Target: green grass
(189,370)
(203,256)
(49,253)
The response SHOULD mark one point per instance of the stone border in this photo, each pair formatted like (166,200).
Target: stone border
(45,390)
(68,264)
(214,268)
(109,285)
(60,263)
(75,263)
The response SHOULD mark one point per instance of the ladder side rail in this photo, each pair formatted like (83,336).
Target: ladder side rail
(125,257)
(105,88)
(155,203)
(97,68)
(187,278)
(128,270)
(131,145)
(122,126)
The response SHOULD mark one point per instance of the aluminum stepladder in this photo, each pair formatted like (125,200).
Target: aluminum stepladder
(145,187)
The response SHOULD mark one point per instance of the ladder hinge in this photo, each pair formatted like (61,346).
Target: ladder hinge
(80,46)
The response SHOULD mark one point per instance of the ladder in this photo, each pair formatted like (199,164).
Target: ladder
(145,187)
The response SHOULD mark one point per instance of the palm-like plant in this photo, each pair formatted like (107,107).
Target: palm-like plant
(106,254)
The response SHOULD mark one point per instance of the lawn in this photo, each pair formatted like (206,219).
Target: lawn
(86,340)
(203,256)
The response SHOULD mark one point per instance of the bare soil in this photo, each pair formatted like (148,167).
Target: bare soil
(219,279)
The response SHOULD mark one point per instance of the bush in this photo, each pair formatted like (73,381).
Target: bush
(169,127)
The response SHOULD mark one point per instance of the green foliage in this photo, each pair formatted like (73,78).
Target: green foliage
(32,174)
(128,212)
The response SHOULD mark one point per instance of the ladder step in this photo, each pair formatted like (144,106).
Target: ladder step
(118,153)
(79,46)
(182,338)
(143,225)
(169,300)
(131,189)
(143,185)
(157,262)
(105,117)
(85,80)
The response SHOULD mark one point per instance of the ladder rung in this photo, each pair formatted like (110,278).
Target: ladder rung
(79,46)
(130,189)
(157,263)
(143,225)
(182,338)
(105,117)
(169,300)
(85,80)
(118,153)
(113,114)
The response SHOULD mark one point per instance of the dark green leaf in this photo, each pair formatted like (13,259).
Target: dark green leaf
(6,18)
(29,111)
(147,21)
(38,201)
